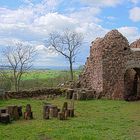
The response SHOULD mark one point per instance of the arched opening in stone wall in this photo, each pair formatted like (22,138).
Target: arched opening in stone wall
(132,84)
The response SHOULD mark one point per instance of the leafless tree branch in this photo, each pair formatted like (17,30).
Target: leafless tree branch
(19,58)
(67,44)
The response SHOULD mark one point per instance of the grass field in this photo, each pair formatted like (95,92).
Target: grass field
(44,74)
(95,120)
(39,79)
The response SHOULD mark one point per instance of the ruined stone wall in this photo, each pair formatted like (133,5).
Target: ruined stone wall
(116,49)
(93,68)
(110,58)
(33,93)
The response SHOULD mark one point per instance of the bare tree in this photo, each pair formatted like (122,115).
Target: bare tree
(19,59)
(66,44)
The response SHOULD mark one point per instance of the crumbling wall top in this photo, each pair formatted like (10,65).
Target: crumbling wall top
(135,44)
(115,38)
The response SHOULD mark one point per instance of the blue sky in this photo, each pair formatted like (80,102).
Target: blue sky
(31,21)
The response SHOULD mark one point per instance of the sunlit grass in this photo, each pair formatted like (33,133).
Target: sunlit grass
(44,74)
(94,120)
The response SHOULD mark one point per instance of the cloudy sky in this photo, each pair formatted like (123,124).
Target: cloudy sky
(31,21)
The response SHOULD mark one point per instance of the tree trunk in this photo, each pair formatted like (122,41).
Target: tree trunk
(18,85)
(15,80)
(16,89)
(18,81)
(71,70)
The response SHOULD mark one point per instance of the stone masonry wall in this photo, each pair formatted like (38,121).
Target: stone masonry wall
(110,58)
(33,93)
(93,68)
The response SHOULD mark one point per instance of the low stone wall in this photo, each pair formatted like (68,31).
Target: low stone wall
(76,94)
(85,94)
(82,94)
(32,93)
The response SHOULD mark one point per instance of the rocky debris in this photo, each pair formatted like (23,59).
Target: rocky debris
(67,84)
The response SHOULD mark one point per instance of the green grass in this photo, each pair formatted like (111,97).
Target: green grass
(44,74)
(41,74)
(95,120)
(40,79)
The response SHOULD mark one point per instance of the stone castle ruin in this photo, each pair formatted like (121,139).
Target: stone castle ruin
(113,68)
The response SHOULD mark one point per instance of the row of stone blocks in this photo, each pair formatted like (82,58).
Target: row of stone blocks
(50,111)
(14,113)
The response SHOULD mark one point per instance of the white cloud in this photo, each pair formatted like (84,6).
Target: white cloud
(28,2)
(134,14)
(46,51)
(84,12)
(51,4)
(135,1)
(91,31)
(8,16)
(132,33)
(43,5)
(33,27)
(47,57)
(55,21)
(112,18)
(33,23)
(103,3)
(8,41)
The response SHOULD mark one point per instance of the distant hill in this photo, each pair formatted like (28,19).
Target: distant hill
(52,68)
(2,67)
(6,67)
